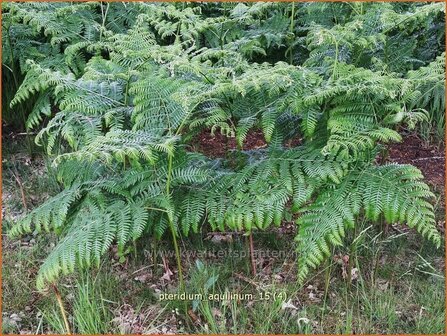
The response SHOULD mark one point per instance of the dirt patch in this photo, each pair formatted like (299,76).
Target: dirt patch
(412,150)
(429,159)
(218,145)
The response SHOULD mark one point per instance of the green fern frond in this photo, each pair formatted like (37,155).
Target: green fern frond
(394,191)
(49,216)
(123,145)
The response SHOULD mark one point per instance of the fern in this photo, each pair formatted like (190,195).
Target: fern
(89,236)
(394,191)
(119,98)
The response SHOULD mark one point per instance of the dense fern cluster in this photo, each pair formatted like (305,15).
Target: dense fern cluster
(123,88)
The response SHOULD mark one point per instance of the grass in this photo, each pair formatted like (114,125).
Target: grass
(401,300)
(433,130)
(398,286)
(90,310)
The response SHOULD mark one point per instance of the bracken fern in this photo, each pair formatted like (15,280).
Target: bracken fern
(126,90)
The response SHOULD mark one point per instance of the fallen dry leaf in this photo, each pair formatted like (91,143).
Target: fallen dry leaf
(304,320)
(288,305)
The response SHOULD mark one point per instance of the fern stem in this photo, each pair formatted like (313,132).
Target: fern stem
(126,94)
(353,255)
(252,254)
(177,256)
(182,124)
(104,18)
(155,253)
(336,60)
(62,309)
(292,16)
(173,233)
(156,209)
(327,280)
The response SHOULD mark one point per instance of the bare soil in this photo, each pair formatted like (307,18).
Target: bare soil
(428,158)
(218,145)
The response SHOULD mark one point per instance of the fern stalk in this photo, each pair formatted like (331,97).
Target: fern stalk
(292,16)
(62,309)
(252,253)
(336,60)
(173,233)
(104,18)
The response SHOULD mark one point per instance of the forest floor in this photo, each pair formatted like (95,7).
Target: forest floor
(397,279)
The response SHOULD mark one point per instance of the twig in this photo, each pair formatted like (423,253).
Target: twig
(429,158)
(22,192)
(143,268)
(24,133)
(224,233)
(243,278)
